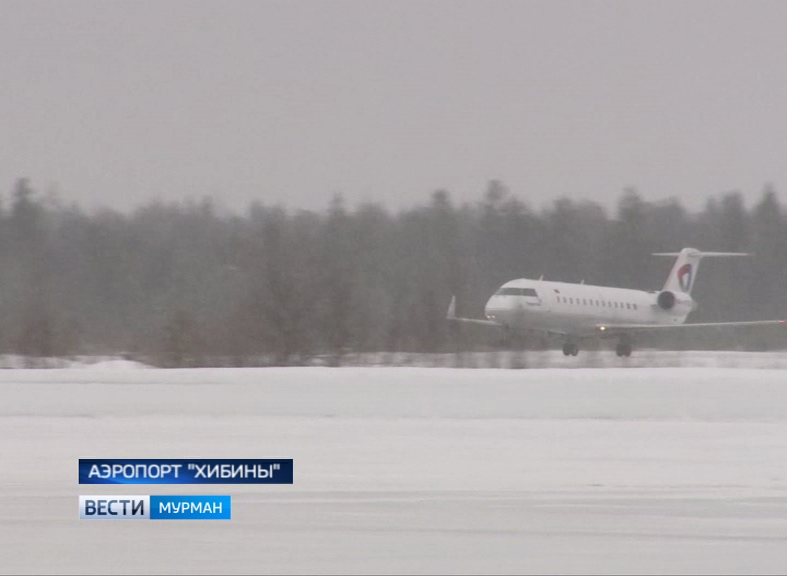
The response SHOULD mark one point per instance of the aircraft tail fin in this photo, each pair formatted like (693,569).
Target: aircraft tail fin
(684,272)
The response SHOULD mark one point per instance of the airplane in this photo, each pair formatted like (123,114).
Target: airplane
(575,312)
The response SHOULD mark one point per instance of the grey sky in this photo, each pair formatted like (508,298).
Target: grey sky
(117,103)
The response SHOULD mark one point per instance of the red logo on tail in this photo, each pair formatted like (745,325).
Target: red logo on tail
(684,277)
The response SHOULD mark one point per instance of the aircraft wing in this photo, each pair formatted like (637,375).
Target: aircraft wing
(616,329)
(451,315)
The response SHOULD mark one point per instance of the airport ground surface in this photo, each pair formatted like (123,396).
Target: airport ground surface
(415,470)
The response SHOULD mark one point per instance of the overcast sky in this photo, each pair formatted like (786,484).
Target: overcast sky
(116,103)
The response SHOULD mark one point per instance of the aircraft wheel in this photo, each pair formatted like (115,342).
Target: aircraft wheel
(567,350)
(623,349)
(575,350)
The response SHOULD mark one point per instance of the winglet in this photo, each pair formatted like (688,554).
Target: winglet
(451,315)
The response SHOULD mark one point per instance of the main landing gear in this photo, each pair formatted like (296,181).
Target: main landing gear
(623,349)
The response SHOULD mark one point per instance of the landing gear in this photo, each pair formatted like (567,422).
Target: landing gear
(507,336)
(623,349)
(570,349)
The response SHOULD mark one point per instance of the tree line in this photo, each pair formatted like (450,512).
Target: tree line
(184,284)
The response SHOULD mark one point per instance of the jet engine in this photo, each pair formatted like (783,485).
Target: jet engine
(675,303)
(666,300)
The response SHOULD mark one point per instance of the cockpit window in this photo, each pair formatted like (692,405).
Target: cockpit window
(509,291)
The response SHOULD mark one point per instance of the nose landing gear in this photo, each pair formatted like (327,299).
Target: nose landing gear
(570,349)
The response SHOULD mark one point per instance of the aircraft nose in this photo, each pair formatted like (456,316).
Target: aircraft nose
(491,309)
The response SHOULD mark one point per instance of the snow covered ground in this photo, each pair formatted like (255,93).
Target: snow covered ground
(416,470)
(642,358)
(96,362)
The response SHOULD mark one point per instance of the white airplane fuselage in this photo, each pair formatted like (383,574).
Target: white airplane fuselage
(577,309)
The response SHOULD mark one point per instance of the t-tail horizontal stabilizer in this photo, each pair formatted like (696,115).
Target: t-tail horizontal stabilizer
(684,272)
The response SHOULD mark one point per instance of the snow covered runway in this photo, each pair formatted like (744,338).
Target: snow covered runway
(410,469)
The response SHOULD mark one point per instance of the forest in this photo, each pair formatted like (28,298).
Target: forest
(187,284)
